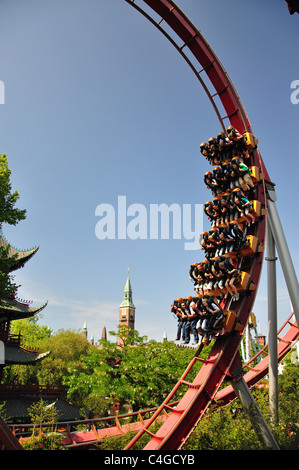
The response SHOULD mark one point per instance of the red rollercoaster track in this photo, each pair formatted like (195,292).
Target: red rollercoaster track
(223,397)
(112,426)
(224,359)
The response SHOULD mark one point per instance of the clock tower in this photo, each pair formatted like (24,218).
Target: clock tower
(127,308)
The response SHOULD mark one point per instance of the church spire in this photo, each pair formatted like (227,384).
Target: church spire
(127,299)
(104,332)
(84,332)
(127,309)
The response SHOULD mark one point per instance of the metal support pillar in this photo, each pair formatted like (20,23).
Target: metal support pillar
(247,343)
(260,357)
(283,251)
(272,326)
(257,420)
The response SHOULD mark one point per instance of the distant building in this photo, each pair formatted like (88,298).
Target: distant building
(127,309)
(104,333)
(84,332)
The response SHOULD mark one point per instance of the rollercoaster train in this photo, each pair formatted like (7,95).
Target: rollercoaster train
(228,242)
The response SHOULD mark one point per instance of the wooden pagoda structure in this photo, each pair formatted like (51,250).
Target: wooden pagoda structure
(14,309)
(11,350)
(17,399)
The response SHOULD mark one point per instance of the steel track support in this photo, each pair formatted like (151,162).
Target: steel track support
(257,419)
(247,338)
(283,250)
(272,325)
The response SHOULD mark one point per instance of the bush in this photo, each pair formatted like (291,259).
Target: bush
(50,441)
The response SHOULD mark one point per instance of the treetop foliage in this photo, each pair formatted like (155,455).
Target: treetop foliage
(140,376)
(11,215)
(8,199)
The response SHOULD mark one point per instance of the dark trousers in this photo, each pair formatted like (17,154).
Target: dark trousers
(190,325)
(179,329)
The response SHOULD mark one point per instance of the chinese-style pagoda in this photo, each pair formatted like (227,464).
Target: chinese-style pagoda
(14,309)
(17,399)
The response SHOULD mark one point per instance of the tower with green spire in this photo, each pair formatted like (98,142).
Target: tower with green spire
(127,307)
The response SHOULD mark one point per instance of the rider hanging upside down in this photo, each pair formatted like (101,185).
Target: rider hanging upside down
(224,146)
(211,316)
(243,206)
(190,318)
(175,309)
(211,182)
(205,151)
(242,173)
(239,142)
(214,150)
(231,276)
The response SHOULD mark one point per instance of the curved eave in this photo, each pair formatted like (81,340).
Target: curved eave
(21,256)
(14,310)
(18,355)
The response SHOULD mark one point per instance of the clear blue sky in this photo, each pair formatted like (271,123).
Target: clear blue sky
(98,104)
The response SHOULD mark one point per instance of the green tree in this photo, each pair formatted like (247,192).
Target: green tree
(42,412)
(46,439)
(33,335)
(8,212)
(11,215)
(68,348)
(136,376)
(288,400)
(7,285)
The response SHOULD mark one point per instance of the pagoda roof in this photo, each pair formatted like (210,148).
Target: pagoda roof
(18,355)
(21,256)
(18,407)
(11,309)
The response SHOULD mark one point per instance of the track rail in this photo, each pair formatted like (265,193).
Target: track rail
(257,372)
(203,61)
(224,396)
(100,428)
(224,358)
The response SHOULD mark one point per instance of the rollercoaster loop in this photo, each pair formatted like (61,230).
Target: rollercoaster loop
(177,421)
(224,359)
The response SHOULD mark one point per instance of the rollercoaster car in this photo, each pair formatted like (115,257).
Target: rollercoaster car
(256,174)
(257,211)
(252,247)
(227,326)
(251,141)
